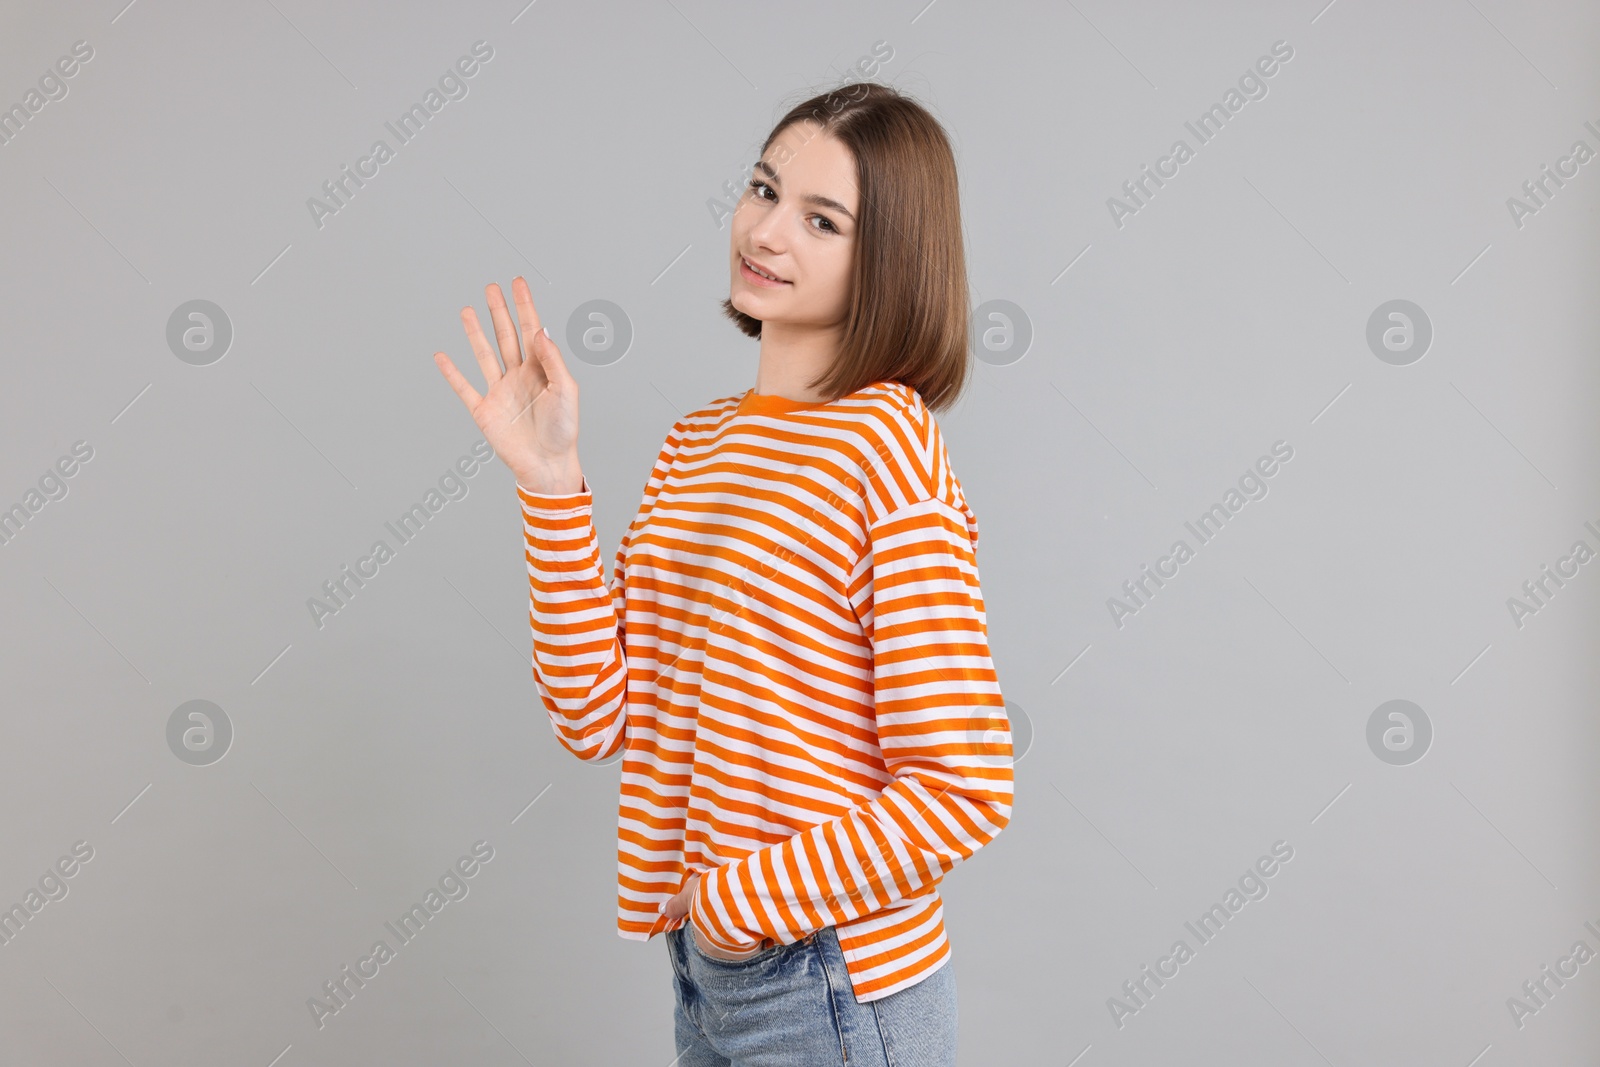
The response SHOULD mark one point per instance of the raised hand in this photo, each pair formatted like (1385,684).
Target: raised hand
(529,413)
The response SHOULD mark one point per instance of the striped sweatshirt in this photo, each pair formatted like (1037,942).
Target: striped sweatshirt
(792,658)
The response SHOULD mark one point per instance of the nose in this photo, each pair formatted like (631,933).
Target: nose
(766,232)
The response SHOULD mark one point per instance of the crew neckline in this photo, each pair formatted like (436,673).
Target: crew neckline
(754,403)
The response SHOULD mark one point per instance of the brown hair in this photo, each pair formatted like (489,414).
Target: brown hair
(908,314)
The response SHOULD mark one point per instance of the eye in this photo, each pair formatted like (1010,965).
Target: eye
(756,185)
(827,222)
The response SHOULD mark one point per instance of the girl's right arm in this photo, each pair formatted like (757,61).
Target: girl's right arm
(529,414)
(579,660)
(580,646)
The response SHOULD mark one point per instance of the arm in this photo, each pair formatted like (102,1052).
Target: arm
(579,665)
(943,733)
(579,634)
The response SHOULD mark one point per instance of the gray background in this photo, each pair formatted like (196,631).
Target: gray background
(1167,355)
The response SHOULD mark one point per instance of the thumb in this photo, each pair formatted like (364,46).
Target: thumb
(548,354)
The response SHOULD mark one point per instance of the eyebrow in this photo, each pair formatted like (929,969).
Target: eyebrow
(812,198)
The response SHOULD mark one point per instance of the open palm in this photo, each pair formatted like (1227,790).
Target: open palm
(529,412)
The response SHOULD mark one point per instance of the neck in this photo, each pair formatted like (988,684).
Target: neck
(791,356)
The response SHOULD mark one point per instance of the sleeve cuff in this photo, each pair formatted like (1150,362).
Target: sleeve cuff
(699,915)
(557,503)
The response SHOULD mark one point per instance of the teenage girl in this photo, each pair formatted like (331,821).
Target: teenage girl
(792,654)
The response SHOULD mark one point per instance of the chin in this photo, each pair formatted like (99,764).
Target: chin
(739,298)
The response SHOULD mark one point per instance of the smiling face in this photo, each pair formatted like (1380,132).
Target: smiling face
(797,222)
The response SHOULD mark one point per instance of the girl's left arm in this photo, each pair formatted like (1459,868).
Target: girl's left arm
(944,735)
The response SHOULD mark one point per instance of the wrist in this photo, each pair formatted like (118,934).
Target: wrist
(705,946)
(700,917)
(551,479)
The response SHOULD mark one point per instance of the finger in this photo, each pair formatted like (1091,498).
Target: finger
(527,314)
(533,339)
(505,335)
(469,396)
(548,356)
(480,347)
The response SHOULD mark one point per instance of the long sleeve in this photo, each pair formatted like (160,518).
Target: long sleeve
(944,737)
(579,663)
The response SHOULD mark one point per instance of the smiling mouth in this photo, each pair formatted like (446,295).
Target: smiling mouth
(750,270)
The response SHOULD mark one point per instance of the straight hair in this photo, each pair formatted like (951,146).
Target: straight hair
(908,313)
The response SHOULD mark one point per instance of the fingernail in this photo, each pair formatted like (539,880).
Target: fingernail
(546,331)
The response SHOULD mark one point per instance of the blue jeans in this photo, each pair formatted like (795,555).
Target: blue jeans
(793,1006)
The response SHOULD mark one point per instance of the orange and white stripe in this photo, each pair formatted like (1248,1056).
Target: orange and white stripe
(792,655)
